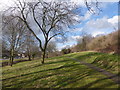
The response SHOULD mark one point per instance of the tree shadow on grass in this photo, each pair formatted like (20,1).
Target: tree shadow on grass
(82,57)
(38,65)
(79,76)
(97,81)
(54,62)
(67,81)
(3,64)
(22,83)
(41,71)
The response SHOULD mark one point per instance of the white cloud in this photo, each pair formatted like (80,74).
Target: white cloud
(72,39)
(87,15)
(101,25)
(114,19)
(75,37)
(97,33)
(69,43)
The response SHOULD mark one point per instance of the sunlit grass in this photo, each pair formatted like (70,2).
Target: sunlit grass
(57,72)
(103,60)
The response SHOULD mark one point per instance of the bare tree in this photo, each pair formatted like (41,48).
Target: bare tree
(29,45)
(13,31)
(93,6)
(5,51)
(48,17)
(51,48)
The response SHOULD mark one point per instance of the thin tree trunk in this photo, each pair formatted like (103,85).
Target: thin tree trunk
(10,60)
(29,56)
(11,57)
(44,51)
(43,56)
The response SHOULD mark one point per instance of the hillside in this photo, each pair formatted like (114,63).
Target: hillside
(103,43)
(62,72)
(106,43)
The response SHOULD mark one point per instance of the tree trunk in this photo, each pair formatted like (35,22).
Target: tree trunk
(11,57)
(29,56)
(10,60)
(43,56)
(44,52)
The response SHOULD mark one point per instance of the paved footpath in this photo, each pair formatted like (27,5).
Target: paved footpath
(111,76)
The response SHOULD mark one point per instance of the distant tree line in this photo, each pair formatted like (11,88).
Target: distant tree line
(103,43)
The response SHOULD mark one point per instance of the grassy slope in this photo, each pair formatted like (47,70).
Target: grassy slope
(103,60)
(58,72)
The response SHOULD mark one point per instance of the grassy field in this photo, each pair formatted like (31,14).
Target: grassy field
(60,72)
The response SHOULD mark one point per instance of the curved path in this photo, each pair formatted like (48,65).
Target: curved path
(109,75)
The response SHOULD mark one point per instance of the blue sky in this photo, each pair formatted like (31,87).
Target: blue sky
(103,23)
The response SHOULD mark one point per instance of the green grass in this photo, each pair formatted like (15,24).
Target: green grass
(57,72)
(103,60)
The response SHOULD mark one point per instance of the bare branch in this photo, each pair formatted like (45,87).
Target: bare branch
(53,36)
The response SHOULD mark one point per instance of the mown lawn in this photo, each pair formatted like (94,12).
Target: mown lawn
(57,72)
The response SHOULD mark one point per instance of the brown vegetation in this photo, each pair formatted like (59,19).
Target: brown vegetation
(105,43)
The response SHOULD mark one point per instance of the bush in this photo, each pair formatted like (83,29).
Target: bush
(65,51)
